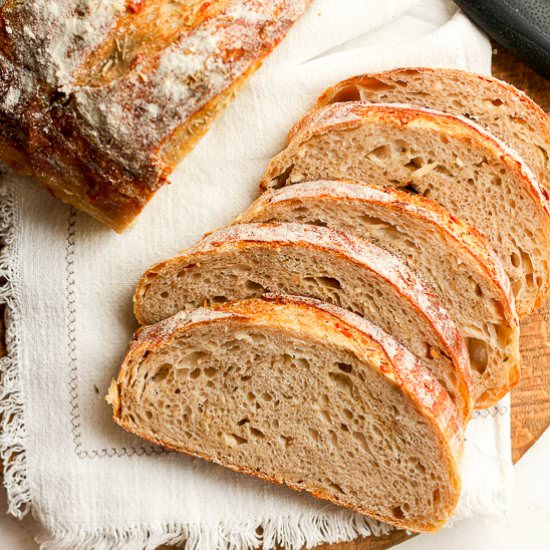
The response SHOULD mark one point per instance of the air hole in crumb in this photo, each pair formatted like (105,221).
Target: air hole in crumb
(479,291)
(164,294)
(162,372)
(410,188)
(345,367)
(341,380)
(328,282)
(218,299)
(315,435)
(183,271)
(514,258)
(148,415)
(437,497)
(382,152)
(194,359)
(345,94)
(210,372)
(397,512)
(286,440)
(282,179)
(257,433)
(348,414)
(177,391)
(243,421)
(415,163)
(233,440)
(253,286)
(497,102)
(432,352)
(479,357)
(195,373)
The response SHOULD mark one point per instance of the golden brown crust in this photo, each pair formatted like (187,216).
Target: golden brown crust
(384,265)
(351,88)
(107,145)
(322,323)
(470,243)
(340,117)
(345,116)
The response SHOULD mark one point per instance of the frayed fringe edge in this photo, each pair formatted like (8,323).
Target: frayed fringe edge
(12,425)
(291,533)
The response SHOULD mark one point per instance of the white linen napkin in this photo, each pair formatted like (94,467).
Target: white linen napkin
(68,287)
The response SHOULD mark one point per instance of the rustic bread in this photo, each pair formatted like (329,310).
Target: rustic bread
(121,91)
(450,256)
(446,158)
(248,260)
(298,392)
(496,105)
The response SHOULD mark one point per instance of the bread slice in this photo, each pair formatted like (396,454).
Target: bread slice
(246,261)
(496,105)
(451,257)
(302,393)
(122,91)
(446,158)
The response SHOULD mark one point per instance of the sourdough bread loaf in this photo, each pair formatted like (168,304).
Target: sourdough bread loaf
(301,393)
(246,261)
(441,156)
(451,256)
(121,91)
(496,105)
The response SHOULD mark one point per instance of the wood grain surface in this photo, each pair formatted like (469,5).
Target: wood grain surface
(531,398)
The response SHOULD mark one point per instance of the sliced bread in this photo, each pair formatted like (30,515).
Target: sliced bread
(301,393)
(451,257)
(444,157)
(496,105)
(245,261)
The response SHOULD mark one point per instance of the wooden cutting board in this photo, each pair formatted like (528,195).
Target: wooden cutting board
(531,397)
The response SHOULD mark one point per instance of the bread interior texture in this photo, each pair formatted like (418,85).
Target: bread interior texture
(269,403)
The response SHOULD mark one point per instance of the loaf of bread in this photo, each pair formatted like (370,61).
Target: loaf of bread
(301,393)
(450,256)
(99,100)
(441,156)
(246,261)
(496,105)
